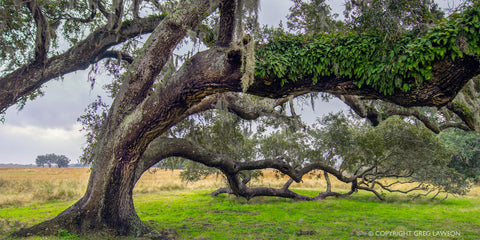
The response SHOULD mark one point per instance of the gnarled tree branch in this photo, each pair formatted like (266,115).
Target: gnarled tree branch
(164,147)
(27,79)
(373,115)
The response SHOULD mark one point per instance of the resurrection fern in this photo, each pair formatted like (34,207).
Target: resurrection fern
(369,59)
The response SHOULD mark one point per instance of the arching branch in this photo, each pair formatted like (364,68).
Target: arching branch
(360,108)
(27,79)
(374,116)
(163,147)
(240,104)
(463,113)
(116,54)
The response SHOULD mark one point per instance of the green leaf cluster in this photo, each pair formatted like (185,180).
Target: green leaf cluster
(395,149)
(68,22)
(369,59)
(218,131)
(16,31)
(466,147)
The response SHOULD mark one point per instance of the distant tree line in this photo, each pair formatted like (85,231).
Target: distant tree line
(50,159)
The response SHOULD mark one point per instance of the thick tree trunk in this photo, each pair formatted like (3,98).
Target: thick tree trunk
(108,204)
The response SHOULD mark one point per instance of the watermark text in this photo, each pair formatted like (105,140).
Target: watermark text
(441,233)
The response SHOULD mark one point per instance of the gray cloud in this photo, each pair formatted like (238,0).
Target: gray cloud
(23,144)
(63,102)
(272,11)
(49,123)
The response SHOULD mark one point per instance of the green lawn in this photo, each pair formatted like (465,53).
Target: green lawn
(198,215)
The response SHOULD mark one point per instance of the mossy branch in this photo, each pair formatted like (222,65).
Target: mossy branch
(386,66)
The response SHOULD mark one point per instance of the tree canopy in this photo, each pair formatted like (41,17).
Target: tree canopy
(431,64)
(466,158)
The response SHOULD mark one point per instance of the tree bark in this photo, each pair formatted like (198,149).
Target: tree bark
(141,113)
(108,204)
(227,22)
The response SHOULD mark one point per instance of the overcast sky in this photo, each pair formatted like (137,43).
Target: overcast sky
(49,124)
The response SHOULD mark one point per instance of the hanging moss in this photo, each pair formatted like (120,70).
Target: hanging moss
(467,102)
(369,59)
(248,62)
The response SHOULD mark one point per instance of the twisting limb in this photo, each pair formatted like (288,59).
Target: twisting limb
(415,113)
(398,182)
(379,196)
(373,115)
(162,148)
(423,194)
(463,113)
(331,170)
(418,187)
(455,125)
(241,105)
(363,173)
(42,39)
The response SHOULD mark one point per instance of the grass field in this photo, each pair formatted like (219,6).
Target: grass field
(32,195)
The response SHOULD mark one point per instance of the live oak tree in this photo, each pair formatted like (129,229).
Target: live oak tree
(413,69)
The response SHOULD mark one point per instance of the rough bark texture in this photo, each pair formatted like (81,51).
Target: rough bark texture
(108,203)
(42,41)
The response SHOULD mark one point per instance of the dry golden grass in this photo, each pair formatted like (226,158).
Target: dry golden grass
(155,180)
(25,185)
